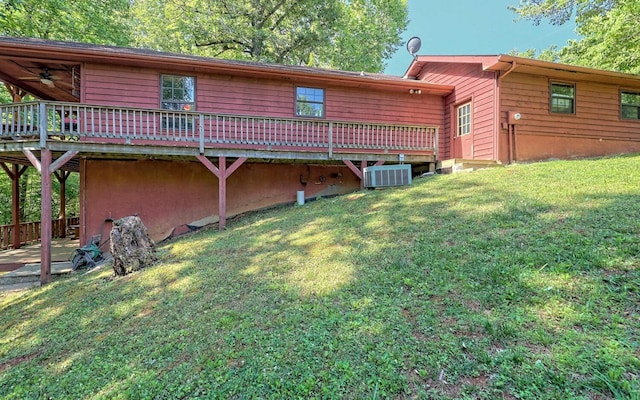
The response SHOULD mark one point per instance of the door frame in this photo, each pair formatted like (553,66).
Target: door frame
(462,144)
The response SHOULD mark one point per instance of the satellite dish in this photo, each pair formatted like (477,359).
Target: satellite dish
(413,45)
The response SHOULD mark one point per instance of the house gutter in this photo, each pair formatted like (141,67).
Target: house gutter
(497,123)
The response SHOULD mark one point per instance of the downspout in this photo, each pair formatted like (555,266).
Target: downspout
(510,128)
(510,131)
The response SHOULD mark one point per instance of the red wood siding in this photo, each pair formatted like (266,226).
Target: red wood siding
(234,95)
(401,108)
(120,86)
(134,87)
(167,195)
(595,129)
(472,83)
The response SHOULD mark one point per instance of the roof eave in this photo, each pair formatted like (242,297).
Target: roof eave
(413,72)
(159,60)
(505,62)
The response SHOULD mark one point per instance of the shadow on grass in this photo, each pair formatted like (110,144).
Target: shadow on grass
(475,285)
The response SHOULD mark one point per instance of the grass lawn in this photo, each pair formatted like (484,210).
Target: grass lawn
(519,282)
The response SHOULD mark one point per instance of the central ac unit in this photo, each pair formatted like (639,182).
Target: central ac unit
(387,175)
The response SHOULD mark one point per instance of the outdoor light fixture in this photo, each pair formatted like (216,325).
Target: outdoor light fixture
(45,78)
(415,91)
(46,81)
(514,117)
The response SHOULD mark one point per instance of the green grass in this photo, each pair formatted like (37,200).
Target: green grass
(521,282)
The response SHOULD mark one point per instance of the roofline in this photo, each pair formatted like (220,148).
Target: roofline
(418,62)
(522,61)
(504,62)
(11,47)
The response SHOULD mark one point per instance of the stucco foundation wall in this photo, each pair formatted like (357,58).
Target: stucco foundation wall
(536,147)
(168,195)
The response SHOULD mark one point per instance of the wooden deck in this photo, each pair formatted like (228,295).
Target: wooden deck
(112,132)
(30,232)
(54,136)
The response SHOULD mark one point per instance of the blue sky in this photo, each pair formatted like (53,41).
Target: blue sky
(476,27)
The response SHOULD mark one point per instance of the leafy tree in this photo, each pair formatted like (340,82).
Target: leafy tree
(549,54)
(104,22)
(559,12)
(30,196)
(5,96)
(610,31)
(346,34)
(369,33)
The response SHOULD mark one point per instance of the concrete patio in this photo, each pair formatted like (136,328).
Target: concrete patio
(20,268)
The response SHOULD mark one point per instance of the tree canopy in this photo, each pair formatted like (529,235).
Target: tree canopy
(609,30)
(103,22)
(344,34)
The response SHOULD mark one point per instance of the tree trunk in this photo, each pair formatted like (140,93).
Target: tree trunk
(131,247)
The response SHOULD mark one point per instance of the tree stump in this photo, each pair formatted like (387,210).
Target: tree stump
(131,247)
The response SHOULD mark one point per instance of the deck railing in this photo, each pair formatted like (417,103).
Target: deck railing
(206,130)
(30,232)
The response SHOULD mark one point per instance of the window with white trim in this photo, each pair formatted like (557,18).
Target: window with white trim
(178,94)
(309,102)
(463,113)
(630,105)
(563,98)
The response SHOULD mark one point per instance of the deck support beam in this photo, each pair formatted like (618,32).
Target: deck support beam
(46,168)
(358,172)
(222,173)
(14,174)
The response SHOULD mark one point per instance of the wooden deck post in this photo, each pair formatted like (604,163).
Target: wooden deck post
(15,205)
(46,168)
(222,193)
(45,216)
(14,174)
(15,199)
(222,173)
(62,178)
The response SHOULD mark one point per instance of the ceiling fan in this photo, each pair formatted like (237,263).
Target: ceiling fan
(45,77)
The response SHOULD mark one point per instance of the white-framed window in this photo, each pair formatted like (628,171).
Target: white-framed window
(463,114)
(563,98)
(309,102)
(630,105)
(178,93)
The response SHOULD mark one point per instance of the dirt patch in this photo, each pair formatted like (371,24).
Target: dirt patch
(440,385)
(18,360)
(474,305)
